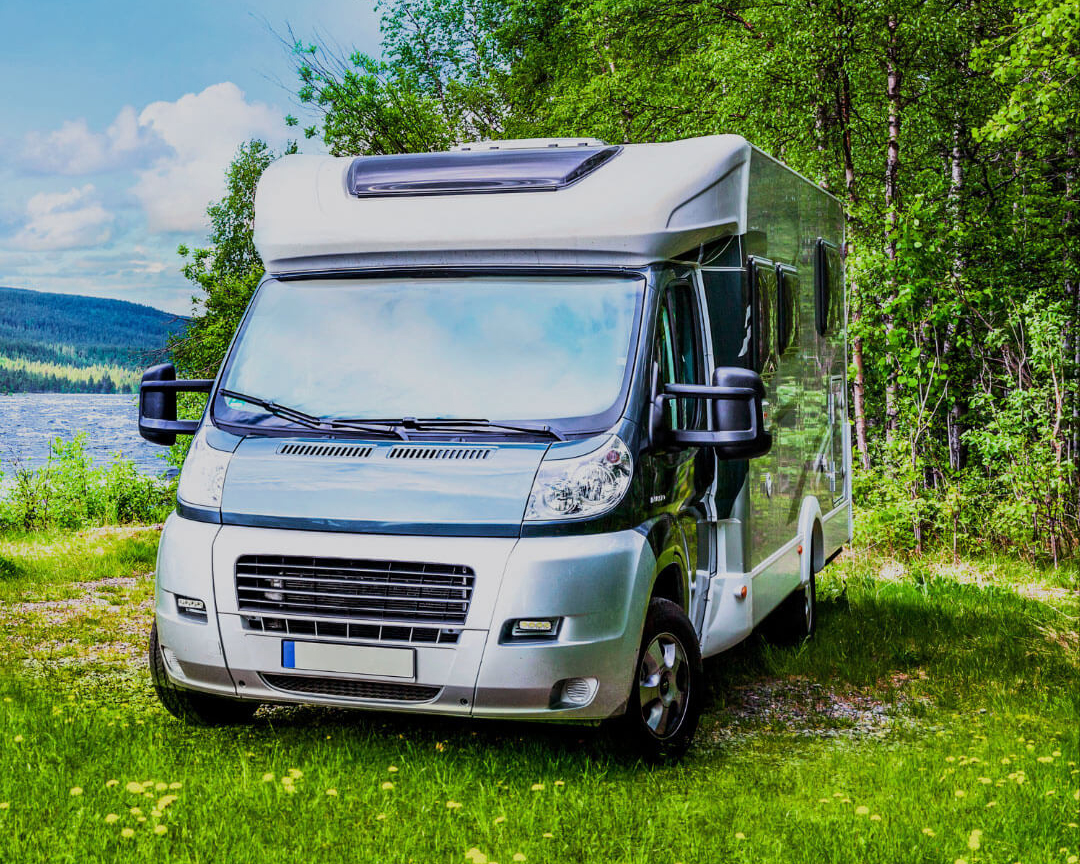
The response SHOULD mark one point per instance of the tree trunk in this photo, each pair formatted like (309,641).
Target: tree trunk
(956,391)
(892,204)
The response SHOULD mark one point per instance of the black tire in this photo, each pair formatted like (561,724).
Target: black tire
(795,619)
(668,689)
(202,709)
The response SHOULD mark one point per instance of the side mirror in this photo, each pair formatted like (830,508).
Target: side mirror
(737,396)
(157,404)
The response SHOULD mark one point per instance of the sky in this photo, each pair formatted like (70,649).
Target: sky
(118,119)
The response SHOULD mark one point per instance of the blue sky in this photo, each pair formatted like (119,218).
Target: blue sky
(119,119)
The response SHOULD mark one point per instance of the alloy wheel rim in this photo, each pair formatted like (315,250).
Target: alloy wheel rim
(663,685)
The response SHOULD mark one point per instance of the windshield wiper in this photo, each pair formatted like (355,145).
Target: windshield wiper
(310,420)
(431,423)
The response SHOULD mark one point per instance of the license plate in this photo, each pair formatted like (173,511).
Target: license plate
(349,659)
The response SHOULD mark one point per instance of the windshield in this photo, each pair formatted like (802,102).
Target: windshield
(484,347)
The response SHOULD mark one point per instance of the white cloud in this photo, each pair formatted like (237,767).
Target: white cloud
(63,220)
(75,149)
(203,131)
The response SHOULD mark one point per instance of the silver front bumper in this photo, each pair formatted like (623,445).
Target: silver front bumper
(599,584)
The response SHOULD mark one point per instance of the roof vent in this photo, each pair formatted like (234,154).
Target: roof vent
(338,451)
(527,144)
(544,169)
(458,453)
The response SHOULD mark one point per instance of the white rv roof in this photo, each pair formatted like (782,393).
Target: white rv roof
(645,203)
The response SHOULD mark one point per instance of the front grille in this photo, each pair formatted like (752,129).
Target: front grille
(351,689)
(405,591)
(343,630)
(458,453)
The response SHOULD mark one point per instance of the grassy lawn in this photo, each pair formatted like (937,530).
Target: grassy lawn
(935,718)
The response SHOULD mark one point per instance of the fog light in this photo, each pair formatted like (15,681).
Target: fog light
(575,692)
(535,627)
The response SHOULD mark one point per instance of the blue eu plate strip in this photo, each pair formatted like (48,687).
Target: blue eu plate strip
(288,654)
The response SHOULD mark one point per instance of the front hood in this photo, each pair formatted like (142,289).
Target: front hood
(473,489)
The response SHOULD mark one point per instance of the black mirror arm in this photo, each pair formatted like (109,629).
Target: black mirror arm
(194,385)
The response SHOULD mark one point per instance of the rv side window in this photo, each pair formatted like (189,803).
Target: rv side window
(787,298)
(678,352)
(829,289)
(763,296)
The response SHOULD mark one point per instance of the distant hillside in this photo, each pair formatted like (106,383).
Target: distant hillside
(67,343)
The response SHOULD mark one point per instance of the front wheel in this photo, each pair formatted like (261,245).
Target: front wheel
(665,703)
(202,709)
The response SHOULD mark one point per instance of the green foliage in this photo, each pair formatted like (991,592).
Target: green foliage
(963,269)
(71,492)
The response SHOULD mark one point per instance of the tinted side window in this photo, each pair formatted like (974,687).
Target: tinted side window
(763,298)
(728,301)
(829,289)
(787,304)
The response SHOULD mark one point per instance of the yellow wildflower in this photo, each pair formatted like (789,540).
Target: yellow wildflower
(439,746)
(176,784)
(547,835)
(295,773)
(559,783)
(476,856)
(986,781)
(332,793)
(4,805)
(1046,760)
(160,787)
(155,813)
(134,788)
(929,832)
(991,804)
(112,817)
(110,783)
(127,832)
(975,839)
(381,816)
(387,785)
(960,861)
(164,801)
(135,811)
(499,820)
(537,787)
(1056,753)
(268,777)
(392,769)
(453,805)
(140,818)
(1072,859)
(739,835)
(518,856)
(876,817)
(76,790)
(160,829)
(960,793)
(19,739)
(862,810)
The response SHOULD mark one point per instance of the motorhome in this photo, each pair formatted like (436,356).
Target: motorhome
(525,429)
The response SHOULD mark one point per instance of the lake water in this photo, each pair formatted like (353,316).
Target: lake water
(30,421)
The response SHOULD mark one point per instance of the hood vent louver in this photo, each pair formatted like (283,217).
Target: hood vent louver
(338,451)
(451,453)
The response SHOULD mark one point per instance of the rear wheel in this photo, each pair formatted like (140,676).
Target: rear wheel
(665,703)
(202,709)
(795,619)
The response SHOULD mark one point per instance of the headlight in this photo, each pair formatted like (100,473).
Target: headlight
(582,486)
(203,474)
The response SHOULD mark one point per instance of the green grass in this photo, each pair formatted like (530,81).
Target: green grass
(925,681)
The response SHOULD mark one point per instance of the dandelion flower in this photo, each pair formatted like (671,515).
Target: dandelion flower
(499,820)
(929,832)
(975,840)
(537,787)
(110,783)
(862,810)
(295,773)
(1056,753)
(76,791)
(547,835)
(387,785)
(160,829)
(1005,760)
(960,861)
(559,783)
(453,805)
(134,788)
(1072,859)
(845,800)
(127,832)
(112,817)
(1046,760)
(960,793)
(332,793)
(990,804)
(739,835)
(176,784)
(164,801)
(160,787)
(518,856)
(268,777)
(476,856)
(135,811)
(140,818)
(950,758)
(4,805)
(155,813)
(876,817)
(986,781)
(392,769)
(19,739)
(439,746)
(381,816)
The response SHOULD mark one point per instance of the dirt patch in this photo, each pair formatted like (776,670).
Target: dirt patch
(801,707)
